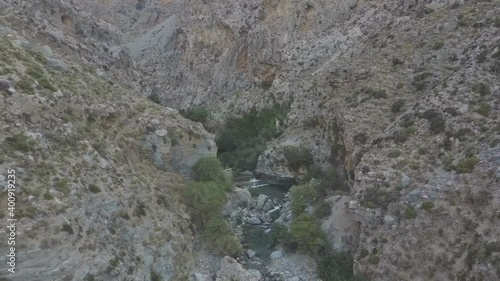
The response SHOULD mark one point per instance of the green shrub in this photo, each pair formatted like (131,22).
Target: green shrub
(496,23)
(20,142)
(394,153)
(410,212)
(26,84)
(403,135)
(154,98)
(492,247)
(437,125)
(428,205)
(419,81)
(482,88)
(220,238)
(307,234)
(301,196)
(206,199)
(376,93)
(197,114)
(61,185)
(155,276)
(278,235)
(174,141)
(360,138)
(436,119)
(94,188)
(67,228)
(438,45)
(374,259)
(323,209)
(397,106)
(338,267)
(484,109)
(210,169)
(48,196)
(467,165)
(243,139)
(297,157)
(37,73)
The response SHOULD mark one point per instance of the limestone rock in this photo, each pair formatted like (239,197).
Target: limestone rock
(254,220)
(261,200)
(276,255)
(250,253)
(231,270)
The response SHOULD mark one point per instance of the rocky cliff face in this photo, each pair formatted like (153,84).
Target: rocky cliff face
(98,169)
(403,94)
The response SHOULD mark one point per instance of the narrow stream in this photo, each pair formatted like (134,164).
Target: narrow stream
(256,237)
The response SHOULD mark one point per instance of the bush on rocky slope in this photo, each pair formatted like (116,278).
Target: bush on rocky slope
(206,198)
(307,234)
(298,157)
(220,238)
(209,169)
(301,196)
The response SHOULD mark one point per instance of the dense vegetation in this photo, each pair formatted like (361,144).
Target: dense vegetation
(205,198)
(197,114)
(243,138)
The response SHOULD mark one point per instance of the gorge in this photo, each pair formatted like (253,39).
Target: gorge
(294,140)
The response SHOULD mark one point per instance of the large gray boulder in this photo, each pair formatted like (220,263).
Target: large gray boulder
(231,270)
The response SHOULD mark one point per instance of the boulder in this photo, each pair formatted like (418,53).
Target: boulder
(389,220)
(254,220)
(238,198)
(255,273)
(261,200)
(250,253)
(267,217)
(276,255)
(231,270)
(200,277)
(405,181)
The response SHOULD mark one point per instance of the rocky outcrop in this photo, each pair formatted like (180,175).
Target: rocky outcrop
(231,270)
(95,200)
(341,226)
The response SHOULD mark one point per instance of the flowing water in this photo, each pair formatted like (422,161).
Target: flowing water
(257,237)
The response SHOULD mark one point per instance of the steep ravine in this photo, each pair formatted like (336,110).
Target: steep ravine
(400,98)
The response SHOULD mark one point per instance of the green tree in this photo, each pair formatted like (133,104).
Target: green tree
(301,196)
(206,199)
(298,157)
(306,232)
(220,238)
(210,169)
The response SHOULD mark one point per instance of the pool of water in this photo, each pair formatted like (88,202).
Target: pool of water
(273,191)
(257,240)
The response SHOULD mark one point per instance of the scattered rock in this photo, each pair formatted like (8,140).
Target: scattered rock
(261,200)
(231,270)
(250,253)
(353,204)
(388,220)
(405,181)
(276,255)
(255,273)
(200,277)
(254,220)
(57,64)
